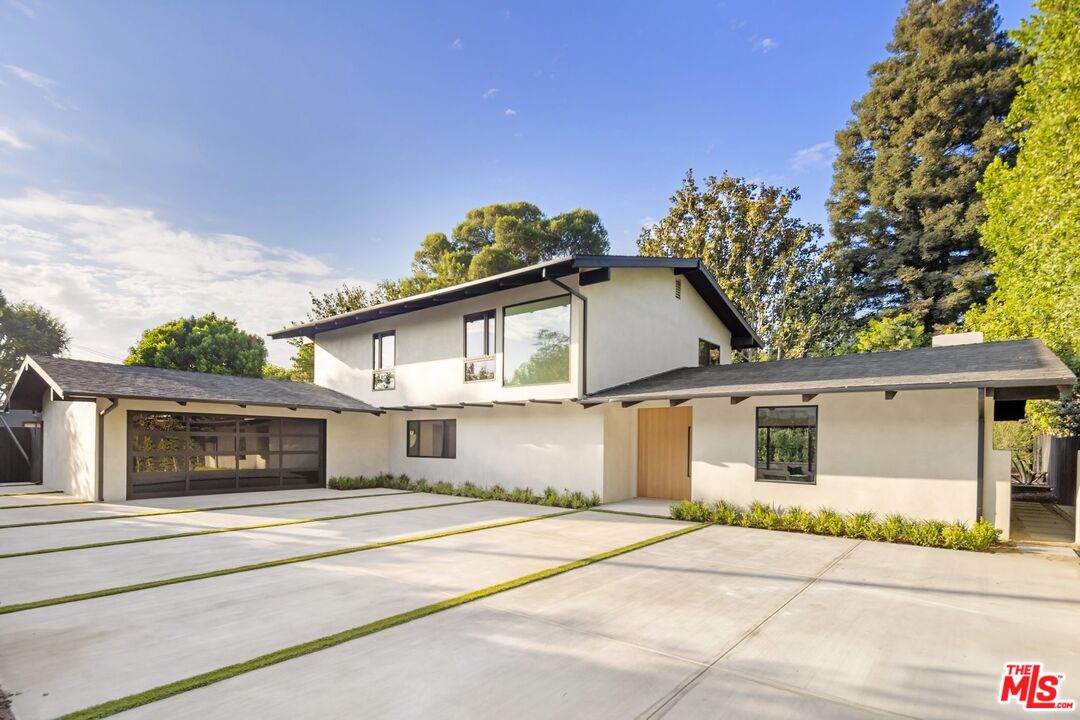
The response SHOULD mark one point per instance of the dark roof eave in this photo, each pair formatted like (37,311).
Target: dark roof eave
(72,394)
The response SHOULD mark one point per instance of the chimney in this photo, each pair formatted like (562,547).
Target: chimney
(968,338)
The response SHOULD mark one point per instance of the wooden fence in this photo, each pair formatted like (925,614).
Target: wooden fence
(13,465)
(1061,469)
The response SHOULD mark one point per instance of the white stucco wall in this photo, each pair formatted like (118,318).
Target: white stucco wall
(356,443)
(997,487)
(69,447)
(915,454)
(620,452)
(637,327)
(533,446)
(430,354)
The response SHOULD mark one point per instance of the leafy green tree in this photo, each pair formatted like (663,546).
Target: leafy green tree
(336,302)
(1033,206)
(904,207)
(206,344)
(26,329)
(499,238)
(549,362)
(899,331)
(765,259)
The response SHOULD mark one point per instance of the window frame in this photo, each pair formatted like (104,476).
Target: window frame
(376,360)
(708,345)
(409,424)
(813,459)
(570,339)
(490,318)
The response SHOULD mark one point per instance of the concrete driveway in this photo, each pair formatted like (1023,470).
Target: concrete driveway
(718,622)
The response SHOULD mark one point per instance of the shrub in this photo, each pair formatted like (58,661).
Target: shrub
(443,488)
(496,492)
(956,536)
(892,530)
(828,522)
(692,510)
(522,495)
(797,520)
(863,525)
(725,513)
(551,496)
(983,535)
(924,532)
(761,516)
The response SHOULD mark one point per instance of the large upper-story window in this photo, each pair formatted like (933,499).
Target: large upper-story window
(536,342)
(787,444)
(384,347)
(480,346)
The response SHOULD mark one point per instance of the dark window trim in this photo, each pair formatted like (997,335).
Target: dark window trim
(757,444)
(186,475)
(408,428)
(570,304)
(489,342)
(376,359)
(709,345)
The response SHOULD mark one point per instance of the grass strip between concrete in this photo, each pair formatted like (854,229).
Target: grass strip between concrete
(32,492)
(121,589)
(194,682)
(215,531)
(181,511)
(56,504)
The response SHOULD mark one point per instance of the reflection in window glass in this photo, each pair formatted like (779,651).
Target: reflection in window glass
(536,342)
(431,438)
(787,444)
(383,365)
(708,353)
(480,346)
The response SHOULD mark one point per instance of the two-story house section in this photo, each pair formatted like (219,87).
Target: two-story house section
(484,381)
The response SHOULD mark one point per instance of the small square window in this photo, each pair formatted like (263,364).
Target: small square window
(787,444)
(708,353)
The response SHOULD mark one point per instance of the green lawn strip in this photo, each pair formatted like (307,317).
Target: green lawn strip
(121,516)
(35,505)
(106,592)
(214,531)
(194,682)
(43,492)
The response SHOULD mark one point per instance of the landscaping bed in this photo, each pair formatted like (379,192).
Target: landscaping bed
(575,500)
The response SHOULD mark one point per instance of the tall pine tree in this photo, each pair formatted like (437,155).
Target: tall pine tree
(904,209)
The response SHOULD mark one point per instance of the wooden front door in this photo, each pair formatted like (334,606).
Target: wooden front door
(664,452)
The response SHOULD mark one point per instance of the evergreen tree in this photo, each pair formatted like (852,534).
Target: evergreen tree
(904,209)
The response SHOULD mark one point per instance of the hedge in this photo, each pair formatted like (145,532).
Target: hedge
(575,500)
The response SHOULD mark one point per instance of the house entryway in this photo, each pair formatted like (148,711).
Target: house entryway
(1042,522)
(664,452)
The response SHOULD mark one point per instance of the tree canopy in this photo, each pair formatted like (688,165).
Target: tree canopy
(26,329)
(764,258)
(904,207)
(206,344)
(1033,206)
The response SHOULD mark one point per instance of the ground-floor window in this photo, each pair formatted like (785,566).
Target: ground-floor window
(787,444)
(191,454)
(431,439)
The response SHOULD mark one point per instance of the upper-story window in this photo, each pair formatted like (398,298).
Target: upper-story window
(480,346)
(536,342)
(707,353)
(384,347)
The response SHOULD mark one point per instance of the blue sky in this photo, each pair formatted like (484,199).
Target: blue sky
(163,159)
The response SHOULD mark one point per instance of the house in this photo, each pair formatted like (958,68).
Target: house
(602,374)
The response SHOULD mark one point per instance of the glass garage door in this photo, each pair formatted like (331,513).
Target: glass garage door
(173,454)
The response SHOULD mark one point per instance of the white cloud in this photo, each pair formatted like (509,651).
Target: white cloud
(815,156)
(647,222)
(766,44)
(9,138)
(491,92)
(457,44)
(111,272)
(509,112)
(42,83)
(23,8)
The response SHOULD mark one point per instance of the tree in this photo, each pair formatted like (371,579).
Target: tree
(336,302)
(499,238)
(899,331)
(1033,206)
(206,344)
(26,329)
(904,207)
(766,260)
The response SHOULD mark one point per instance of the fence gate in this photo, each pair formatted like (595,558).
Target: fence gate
(1061,470)
(13,465)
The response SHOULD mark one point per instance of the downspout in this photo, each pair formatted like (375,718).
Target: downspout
(980,462)
(113,403)
(584,328)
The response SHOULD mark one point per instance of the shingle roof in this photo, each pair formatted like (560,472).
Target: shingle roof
(699,277)
(83,378)
(1026,366)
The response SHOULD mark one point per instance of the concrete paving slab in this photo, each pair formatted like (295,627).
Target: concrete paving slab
(35,577)
(652,596)
(46,536)
(469,662)
(204,502)
(874,632)
(641,506)
(67,657)
(33,500)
